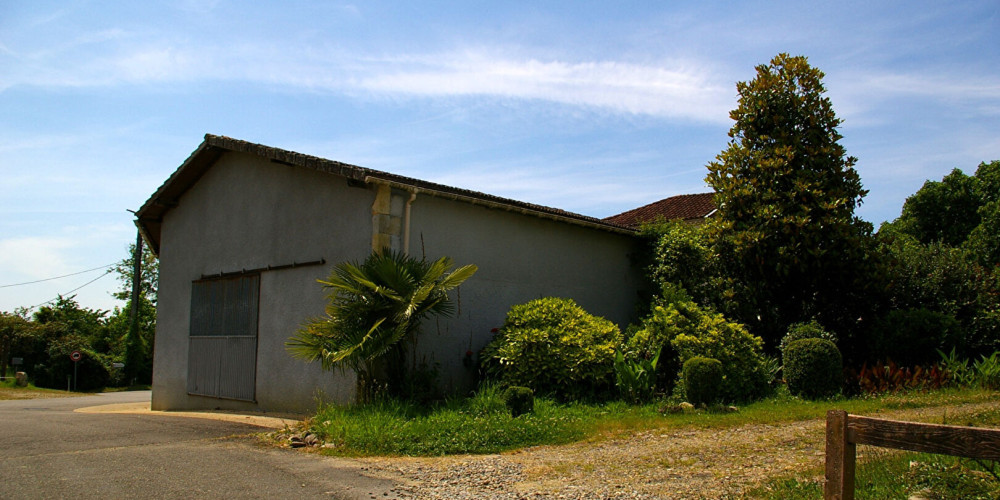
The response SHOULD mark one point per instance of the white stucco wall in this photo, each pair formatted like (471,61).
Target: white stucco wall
(247,213)
(520,258)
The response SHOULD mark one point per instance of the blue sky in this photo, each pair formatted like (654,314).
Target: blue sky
(592,107)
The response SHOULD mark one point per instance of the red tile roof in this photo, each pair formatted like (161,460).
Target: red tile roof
(686,207)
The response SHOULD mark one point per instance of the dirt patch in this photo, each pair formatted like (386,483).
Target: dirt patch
(665,463)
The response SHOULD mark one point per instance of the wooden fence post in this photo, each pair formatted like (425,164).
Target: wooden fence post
(840,455)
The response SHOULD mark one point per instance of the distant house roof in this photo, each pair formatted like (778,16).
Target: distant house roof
(149,217)
(686,207)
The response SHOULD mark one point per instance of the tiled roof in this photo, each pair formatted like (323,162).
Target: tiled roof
(683,207)
(150,215)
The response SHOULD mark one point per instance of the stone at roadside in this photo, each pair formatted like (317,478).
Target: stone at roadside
(21,379)
(675,409)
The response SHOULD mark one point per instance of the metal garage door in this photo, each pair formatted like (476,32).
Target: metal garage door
(222,349)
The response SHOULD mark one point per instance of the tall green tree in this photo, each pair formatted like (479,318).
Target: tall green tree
(959,210)
(943,211)
(786,192)
(149,280)
(138,344)
(988,181)
(984,239)
(374,306)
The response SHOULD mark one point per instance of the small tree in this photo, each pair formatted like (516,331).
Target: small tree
(786,192)
(373,307)
(12,325)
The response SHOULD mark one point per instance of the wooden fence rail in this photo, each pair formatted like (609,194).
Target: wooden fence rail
(844,432)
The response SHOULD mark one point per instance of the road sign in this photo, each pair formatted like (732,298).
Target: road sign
(75,356)
(117,365)
(17,361)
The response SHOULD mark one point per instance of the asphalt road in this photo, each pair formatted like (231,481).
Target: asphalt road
(49,451)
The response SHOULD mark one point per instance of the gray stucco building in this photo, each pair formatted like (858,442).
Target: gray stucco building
(243,232)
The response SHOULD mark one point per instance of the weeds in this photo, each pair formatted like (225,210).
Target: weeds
(482,423)
(636,379)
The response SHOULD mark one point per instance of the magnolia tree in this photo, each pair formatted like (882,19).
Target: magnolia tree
(786,192)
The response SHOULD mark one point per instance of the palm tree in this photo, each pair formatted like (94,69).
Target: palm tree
(373,307)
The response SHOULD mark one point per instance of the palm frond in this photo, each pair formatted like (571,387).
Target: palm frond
(374,305)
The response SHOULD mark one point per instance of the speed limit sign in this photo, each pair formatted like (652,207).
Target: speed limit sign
(75,356)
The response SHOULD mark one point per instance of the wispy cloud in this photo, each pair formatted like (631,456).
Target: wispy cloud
(858,94)
(671,89)
(942,87)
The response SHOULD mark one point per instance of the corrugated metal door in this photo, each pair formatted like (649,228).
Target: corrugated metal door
(222,349)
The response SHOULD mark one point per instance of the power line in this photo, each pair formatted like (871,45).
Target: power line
(58,277)
(73,290)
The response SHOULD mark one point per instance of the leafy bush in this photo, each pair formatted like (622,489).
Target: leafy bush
(911,337)
(684,256)
(813,368)
(93,371)
(949,281)
(697,332)
(519,400)
(810,330)
(702,380)
(636,380)
(555,347)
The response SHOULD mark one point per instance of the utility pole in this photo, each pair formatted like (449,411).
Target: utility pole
(133,344)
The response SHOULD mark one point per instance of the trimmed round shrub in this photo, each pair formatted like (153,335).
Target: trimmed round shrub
(702,380)
(813,368)
(810,330)
(519,400)
(554,347)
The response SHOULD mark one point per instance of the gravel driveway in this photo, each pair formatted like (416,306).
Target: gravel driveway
(681,464)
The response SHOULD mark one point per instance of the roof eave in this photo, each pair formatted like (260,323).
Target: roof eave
(149,217)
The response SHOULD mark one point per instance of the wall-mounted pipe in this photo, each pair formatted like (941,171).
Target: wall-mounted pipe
(502,206)
(406,221)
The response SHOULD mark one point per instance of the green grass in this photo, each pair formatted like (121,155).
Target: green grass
(476,425)
(10,390)
(889,474)
(481,424)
